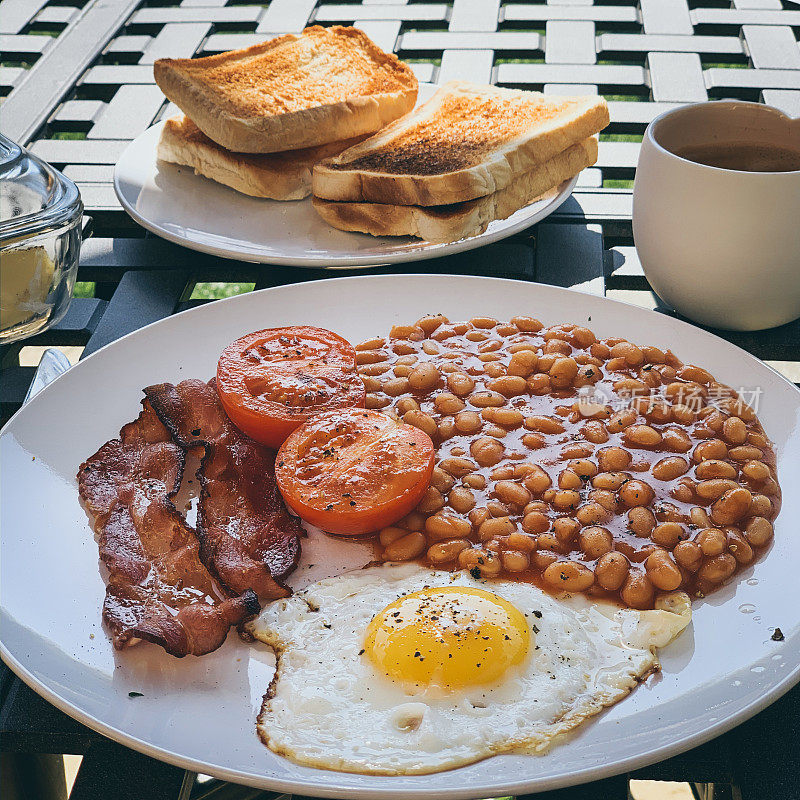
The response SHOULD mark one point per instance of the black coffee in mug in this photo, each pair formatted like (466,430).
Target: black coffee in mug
(743,156)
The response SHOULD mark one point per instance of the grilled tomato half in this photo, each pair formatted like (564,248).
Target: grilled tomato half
(354,471)
(272,381)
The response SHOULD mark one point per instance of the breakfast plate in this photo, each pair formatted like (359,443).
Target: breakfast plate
(200,713)
(198,213)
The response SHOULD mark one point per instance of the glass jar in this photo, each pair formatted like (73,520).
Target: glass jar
(40,242)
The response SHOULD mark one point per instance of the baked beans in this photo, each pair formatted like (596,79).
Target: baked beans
(582,465)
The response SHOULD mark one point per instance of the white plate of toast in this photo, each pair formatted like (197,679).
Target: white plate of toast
(322,150)
(414,190)
(182,207)
(176,203)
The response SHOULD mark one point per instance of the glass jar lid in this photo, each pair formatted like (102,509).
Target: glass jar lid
(34,197)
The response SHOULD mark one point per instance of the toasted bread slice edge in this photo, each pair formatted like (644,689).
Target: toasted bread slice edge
(494,173)
(458,221)
(326,122)
(276,177)
(294,131)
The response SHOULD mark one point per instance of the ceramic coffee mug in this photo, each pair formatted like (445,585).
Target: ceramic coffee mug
(720,246)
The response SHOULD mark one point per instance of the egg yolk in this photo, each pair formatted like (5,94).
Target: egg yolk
(451,637)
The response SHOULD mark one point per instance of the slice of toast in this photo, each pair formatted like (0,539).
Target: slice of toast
(467,141)
(324,85)
(449,223)
(278,176)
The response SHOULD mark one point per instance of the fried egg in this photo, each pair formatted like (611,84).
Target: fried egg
(399,669)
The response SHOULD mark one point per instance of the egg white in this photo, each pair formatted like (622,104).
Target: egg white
(329,707)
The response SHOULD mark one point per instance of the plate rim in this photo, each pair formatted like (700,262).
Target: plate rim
(588,775)
(329,261)
(645,758)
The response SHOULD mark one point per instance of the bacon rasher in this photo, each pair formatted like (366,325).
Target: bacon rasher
(158,589)
(247,537)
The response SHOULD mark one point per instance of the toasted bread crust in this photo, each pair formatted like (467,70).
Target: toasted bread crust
(277,176)
(449,223)
(467,141)
(295,91)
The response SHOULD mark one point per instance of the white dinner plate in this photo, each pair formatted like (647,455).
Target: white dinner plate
(199,713)
(190,210)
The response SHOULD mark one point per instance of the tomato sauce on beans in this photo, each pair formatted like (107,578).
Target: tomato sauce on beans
(580,464)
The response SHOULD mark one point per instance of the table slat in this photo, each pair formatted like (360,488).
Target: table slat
(61,65)
(176,40)
(772,46)
(677,77)
(666,16)
(347,14)
(570,256)
(110,770)
(16,14)
(140,298)
(29,724)
(764,751)
(130,112)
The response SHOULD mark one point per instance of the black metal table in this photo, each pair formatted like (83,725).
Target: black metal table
(77,75)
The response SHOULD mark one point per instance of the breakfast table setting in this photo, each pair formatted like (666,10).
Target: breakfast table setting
(608,193)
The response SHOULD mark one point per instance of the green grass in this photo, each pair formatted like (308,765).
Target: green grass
(624,98)
(219,291)
(611,183)
(68,135)
(620,137)
(436,61)
(519,61)
(724,65)
(84,289)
